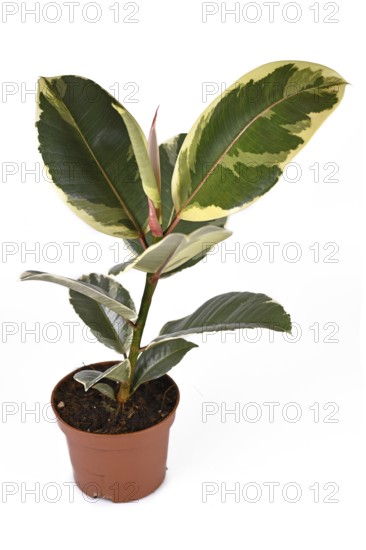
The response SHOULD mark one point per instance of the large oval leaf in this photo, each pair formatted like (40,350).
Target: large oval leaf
(158,359)
(236,150)
(109,328)
(231,311)
(96,155)
(175,250)
(86,289)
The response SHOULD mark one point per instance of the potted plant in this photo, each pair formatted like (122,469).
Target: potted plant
(170,204)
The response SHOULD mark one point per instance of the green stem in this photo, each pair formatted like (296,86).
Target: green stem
(149,290)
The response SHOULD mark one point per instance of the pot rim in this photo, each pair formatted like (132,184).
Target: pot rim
(92,434)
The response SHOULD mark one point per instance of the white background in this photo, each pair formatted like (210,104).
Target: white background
(169,55)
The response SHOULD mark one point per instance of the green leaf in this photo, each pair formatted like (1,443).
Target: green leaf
(136,248)
(236,150)
(204,250)
(119,268)
(153,151)
(168,156)
(108,327)
(120,372)
(139,145)
(87,377)
(96,155)
(86,289)
(159,358)
(175,250)
(105,389)
(231,311)
(168,152)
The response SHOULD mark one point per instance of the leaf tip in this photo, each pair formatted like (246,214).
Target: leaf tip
(26,275)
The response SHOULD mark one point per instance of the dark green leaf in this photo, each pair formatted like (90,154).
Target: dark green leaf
(96,154)
(96,293)
(119,268)
(159,358)
(109,328)
(105,389)
(231,311)
(168,156)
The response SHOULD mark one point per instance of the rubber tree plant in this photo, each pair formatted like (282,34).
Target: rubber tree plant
(170,203)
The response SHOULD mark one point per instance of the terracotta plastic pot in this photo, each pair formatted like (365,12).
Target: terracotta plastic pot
(119,467)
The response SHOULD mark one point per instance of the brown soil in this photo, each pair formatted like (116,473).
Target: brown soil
(92,412)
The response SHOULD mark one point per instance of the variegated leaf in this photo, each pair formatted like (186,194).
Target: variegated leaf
(175,250)
(159,358)
(109,328)
(153,150)
(168,156)
(105,389)
(86,289)
(96,155)
(120,372)
(231,311)
(236,150)
(139,146)
(168,152)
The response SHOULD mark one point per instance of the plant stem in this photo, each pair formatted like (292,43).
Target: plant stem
(143,241)
(172,226)
(149,290)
